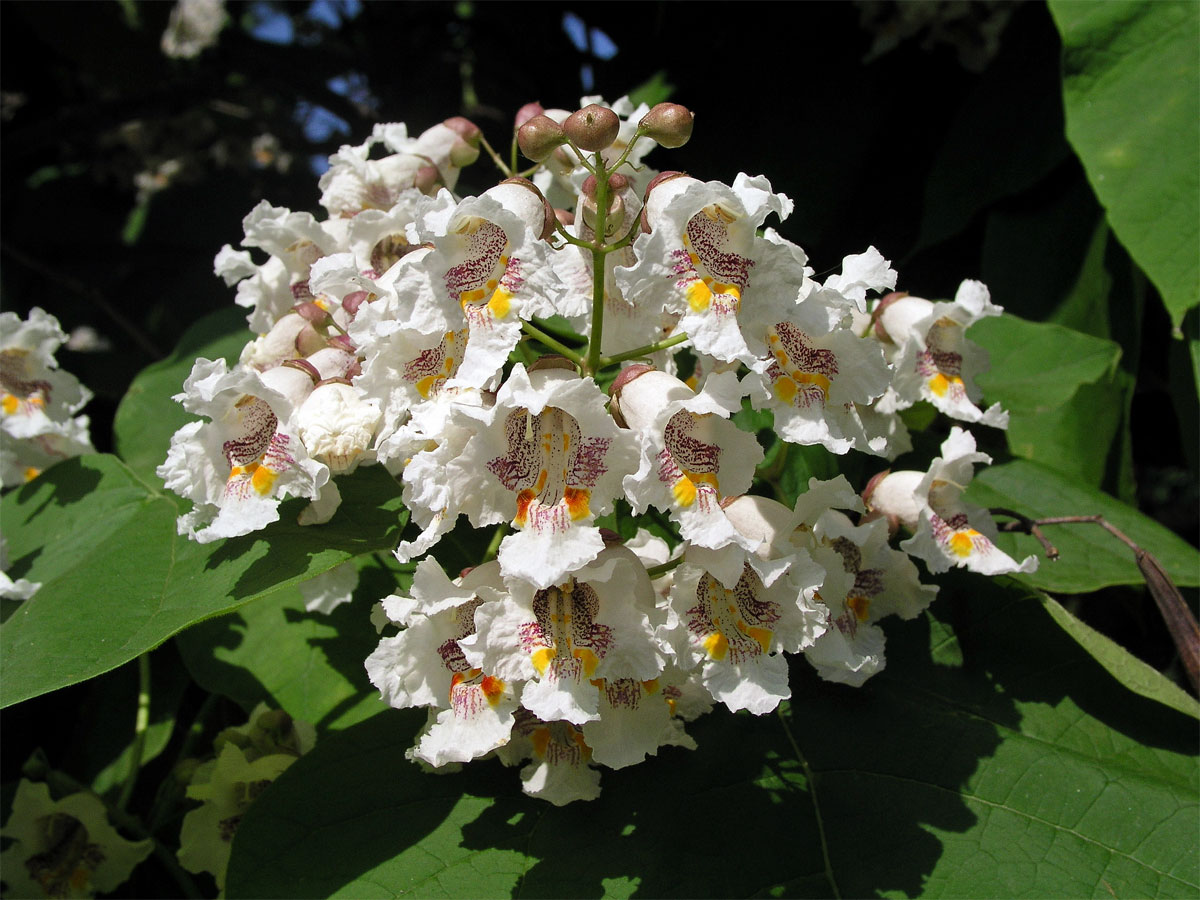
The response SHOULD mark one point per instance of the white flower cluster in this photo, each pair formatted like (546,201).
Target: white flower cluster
(389,334)
(38,400)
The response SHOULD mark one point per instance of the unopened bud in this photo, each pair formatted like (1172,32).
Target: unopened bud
(527,112)
(613,220)
(427,180)
(565,216)
(592,128)
(312,312)
(877,313)
(539,137)
(309,340)
(549,218)
(351,302)
(668,125)
(465,129)
(462,153)
(551,361)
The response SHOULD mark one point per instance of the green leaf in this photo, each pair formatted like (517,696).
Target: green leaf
(147,416)
(1121,664)
(1036,366)
(117,580)
(1131,85)
(307,663)
(1090,558)
(1003,762)
(1067,397)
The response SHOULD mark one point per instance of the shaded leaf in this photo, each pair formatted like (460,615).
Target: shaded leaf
(117,580)
(1131,85)
(307,663)
(1090,558)
(1050,779)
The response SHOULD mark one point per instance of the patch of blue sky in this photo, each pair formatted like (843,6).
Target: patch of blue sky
(333,12)
(271,24)
(319,124)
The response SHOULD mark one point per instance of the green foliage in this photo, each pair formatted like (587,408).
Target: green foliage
(1120,663)
(1067,398)
(1090,558)
(994,759)
(117,580)
(1131,87)
(147,416)
(309,663)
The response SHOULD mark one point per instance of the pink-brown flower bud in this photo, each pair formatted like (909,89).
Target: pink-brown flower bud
(465,129)
(539,137)
(592,128)
(428,179)
(668,124)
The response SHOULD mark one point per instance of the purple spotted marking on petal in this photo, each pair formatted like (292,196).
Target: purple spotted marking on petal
(257,425)
(484,249)
(708,237)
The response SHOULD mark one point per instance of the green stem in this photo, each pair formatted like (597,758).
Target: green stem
(141,723)
(597,332)
(496,156)
(648,350)
(493,547)
(812,793)
(556,345)
(664,568)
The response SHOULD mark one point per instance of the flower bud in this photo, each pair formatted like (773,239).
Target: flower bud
(614,219)
(462,153)
(549,218)
(592,128)
(465,129)
(336,425)
(539,137)
(895,496)
(880,331)
(427,180)
(668,125)
(527,112)
(641,392)
(352,301)
(565,216)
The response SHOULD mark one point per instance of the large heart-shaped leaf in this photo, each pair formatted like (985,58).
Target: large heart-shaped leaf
(1000,761)
(117,580)
(1131,86)
(147,416)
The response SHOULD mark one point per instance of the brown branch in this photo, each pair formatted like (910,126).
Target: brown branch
(1185,630)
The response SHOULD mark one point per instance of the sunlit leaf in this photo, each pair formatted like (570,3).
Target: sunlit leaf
(1131,84)
(1089,557)
(147,416)
(117,580)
